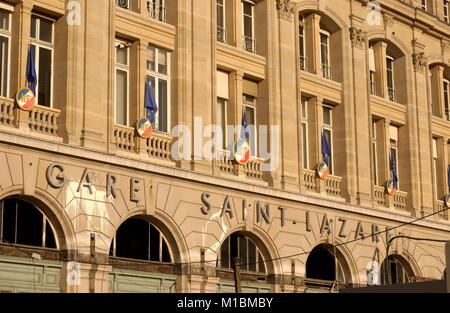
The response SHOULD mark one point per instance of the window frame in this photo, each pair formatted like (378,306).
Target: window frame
(435,159)
(329,128)
(223,107)
(157,76)
(446,95)
(424,5)
(445,9)
(259,258)
(393,145)
(124,68)
(162,239)
(253,154)
(252,19)
(328,55)
(45,221)
(374,154)
(8,35)
(392,72)
(40,44)
(305,132)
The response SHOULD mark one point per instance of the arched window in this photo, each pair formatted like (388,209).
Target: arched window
(396,270)
(326,264)
(238,245)
(23,223)
(139,239)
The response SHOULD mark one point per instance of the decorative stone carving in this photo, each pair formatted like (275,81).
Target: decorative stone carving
(419,61)
(285,8)
(357,37)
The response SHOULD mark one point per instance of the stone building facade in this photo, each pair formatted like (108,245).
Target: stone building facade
(86,205)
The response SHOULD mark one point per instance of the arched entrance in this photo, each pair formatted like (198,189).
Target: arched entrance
(396,270)
(142,254)
(327,268)
(29,247)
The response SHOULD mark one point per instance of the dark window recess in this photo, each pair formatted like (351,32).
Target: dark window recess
(140,240)
(240,246)
(321,264)
(22,223)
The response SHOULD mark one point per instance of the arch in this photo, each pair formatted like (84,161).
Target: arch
(168,228)
(397,269)
(51,208)
(321,265)
(381,36)
(263,242)
(327,12)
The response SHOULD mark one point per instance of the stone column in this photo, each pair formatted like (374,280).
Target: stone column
(362,117)
(425,178)
(312,38)
(289,107)
(437,94)
(98,114)
(380,66)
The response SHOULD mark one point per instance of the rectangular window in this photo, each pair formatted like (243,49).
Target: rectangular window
(221,119)
(222,91)
(221,29)
(393,134)
(446,99)
(301,42)
(424,5)
(435,159)
(158,74)
(305,132)
(122,83)
(5,39)
(445,4)
(390,78)
(325,54)
(248,25)
(328,131)
(157,9)
(250,109)
(42,44)
(374,154)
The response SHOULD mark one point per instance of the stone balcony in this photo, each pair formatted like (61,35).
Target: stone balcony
(383,200)
(439,205)
(225,165)
(331,186)
(156,147)
(40,121)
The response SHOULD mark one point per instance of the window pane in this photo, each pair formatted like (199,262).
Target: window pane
(122,55)
(220,15)
(305,145)
(327,116)
(248,29)
(4,20)
(151,59)
(162,106)
(29,225)
(9,221)
(243,252)
(154,244)
(121,97)
(162,61)
(225,254)
(252,129)
(50,241)
(221,119)
(247,8)
(233,248)
(46,30)
(45,77)
(304,108)
(132,239)
(324,48)
(330,144)
(165,253)
(33,27)
(251,256)
(4,47)
(261,264)
(301,41)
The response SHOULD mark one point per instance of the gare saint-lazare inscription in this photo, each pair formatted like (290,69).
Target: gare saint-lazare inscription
(264,212)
